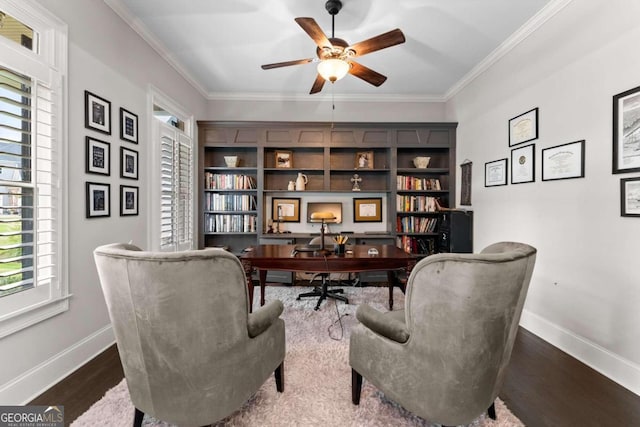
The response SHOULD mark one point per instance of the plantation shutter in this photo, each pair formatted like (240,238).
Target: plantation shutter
(28,184)
(176,201)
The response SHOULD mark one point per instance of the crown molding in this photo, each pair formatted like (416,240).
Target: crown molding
(123,12)
(537,21)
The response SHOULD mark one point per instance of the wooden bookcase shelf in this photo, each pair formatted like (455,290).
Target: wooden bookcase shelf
(328,155)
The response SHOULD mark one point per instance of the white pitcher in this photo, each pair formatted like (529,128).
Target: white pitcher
(301,181)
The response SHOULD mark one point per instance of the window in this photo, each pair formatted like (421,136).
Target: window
(174,167)
(32,282)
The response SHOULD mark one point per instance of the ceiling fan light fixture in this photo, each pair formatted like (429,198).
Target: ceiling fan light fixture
(333,69)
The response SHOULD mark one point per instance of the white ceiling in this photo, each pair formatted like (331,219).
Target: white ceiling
(219,45)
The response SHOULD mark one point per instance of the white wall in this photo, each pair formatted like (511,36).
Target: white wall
(107,58)
(320,109)
(585,292)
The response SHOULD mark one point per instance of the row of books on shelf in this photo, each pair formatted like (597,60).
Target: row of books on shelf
(229,181)
(416,224)
(417,245)
(230,223)
(230,202)
(416,183)
(405,203)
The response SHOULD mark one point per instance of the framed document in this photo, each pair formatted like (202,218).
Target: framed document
(367,210)
(630,197)
(563,161)
(523,164)
(285,209)
(626,131)
(495,173)
(523,128)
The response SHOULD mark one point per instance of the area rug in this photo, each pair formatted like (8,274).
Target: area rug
(317,375)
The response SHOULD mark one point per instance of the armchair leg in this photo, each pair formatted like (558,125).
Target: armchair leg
(279,374)
(492,411)
(356,386)
(137,418)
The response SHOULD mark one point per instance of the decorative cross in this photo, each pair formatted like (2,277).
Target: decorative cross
(356,180)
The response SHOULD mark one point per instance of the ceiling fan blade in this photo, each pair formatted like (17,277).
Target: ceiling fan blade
(286,63)
(366,74)
(388,39)
(317,85)
(311,27)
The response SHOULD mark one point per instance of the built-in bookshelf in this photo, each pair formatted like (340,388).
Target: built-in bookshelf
(235,202)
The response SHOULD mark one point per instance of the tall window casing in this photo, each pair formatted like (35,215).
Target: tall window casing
(33,63)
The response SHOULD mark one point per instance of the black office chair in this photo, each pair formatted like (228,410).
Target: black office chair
(323,290)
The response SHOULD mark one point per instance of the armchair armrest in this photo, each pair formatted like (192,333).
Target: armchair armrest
(388,325)
(263,317)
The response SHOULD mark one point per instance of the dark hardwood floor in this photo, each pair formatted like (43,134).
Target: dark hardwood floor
(544,387)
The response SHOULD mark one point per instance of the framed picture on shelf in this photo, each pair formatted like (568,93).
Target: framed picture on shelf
(626,131)
(128,163)
(284,159)
(523,162)
(495,173)
(630,197)
(128,200)
(523,128)
(364,160)
(285,209)
(98,200)
(98,156)
(564,161)
(97,113)
(367,210)
(128,126)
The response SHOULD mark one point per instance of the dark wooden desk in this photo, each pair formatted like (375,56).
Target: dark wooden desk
(282,257)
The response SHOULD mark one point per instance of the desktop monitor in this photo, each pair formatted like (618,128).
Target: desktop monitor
(333,207)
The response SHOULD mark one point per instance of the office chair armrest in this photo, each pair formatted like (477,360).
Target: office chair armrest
(390,325)
(263,317)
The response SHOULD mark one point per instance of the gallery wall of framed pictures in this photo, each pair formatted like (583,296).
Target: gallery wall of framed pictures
(567,160)
(98,118)
(562,161)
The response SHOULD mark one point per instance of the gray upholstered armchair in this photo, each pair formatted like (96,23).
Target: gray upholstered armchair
(444,357)
(191,351)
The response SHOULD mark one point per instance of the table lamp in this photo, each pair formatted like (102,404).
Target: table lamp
(322,217)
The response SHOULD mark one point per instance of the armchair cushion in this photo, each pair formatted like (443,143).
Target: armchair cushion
(263,317)
(391,325)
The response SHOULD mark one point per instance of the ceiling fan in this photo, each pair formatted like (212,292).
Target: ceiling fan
(335,56)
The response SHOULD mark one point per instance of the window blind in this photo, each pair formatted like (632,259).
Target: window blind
(27,184)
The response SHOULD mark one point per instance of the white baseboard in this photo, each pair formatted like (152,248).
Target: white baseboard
(614,367)
(24,388)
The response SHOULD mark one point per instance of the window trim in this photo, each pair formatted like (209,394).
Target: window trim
(48,64)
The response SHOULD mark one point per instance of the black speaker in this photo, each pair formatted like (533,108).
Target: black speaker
(455,233)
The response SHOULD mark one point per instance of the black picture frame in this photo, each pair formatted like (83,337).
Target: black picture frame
(626,132)
(128,163)
(98,156)
(128,126)
(523,127)
(630,197)
(97,113)
(98,200)
(523,164)
(367,209)
(564,161)
(495,172)
(285,209)
(128,200)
